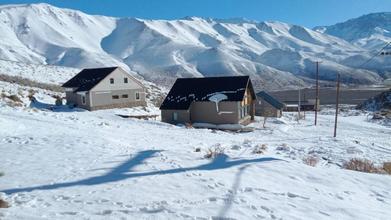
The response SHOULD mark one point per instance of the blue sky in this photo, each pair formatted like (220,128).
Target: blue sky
(309,13)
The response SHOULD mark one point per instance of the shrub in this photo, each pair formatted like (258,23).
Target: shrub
(30,83)
(283,147)
(361,165)
(14,98)
(213,152)
(387,167)
(3,204)
(260,149)
(1,174)
(311,160)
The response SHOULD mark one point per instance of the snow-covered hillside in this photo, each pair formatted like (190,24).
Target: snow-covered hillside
(372,32)
(275,54)
(95,165)
(55,76)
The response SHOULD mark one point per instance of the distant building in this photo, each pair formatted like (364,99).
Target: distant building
(214,100)
(268,106)
(305,105)
(104,88)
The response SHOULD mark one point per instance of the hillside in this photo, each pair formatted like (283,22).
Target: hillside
(276,55)
(372,32)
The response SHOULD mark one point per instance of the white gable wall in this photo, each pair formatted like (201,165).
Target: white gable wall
(118,75)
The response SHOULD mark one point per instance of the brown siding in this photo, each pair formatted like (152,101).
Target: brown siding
(183,116)
(266,110)
(206,112)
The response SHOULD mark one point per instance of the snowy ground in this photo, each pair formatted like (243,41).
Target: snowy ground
(95,165)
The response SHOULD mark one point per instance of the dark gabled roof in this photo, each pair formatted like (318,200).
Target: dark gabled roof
(187,90)
(271,100)
(88,78)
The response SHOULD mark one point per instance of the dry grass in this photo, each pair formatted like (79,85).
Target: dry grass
(311,160)
(260,149)
(387,167)
(30,83)
(14,98)
(283,147)
(361,165)
(4,204)
(213,152)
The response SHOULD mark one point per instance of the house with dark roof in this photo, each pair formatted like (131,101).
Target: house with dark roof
(268,106)
(213,100)
(104,88)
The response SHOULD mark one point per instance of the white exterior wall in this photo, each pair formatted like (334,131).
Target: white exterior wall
(118,75)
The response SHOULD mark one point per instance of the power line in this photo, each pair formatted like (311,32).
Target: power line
(377,54)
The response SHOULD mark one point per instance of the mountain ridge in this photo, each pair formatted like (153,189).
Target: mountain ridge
(275,54)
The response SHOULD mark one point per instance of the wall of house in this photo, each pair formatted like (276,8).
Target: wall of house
(76,98)
(183,116)
(267,110)
(71,97)
(102,94)
(118,75)
(104,98)
(206,112)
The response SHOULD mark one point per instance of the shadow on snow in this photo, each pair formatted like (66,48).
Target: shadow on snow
(55,108)
(123,171)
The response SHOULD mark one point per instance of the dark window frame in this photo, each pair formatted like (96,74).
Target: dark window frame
(126,80)
(137,96)
(115,96)
(111,80)
(124,96)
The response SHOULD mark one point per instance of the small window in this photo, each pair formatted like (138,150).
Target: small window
(115,97)
(125,80)
(83,99)
(111,81)
(175,116)
(125,96)
(137,95)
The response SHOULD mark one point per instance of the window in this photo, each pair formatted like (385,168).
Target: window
(111,81)
(115,97)
(175,116)
(244,111)
(125,80)
(137,95)
(125,96)
(83,99)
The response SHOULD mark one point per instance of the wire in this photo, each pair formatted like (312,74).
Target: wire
(370,59)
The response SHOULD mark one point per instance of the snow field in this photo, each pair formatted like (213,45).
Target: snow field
(95,165)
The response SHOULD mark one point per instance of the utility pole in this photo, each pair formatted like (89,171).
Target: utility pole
(317,92)
(336,106)
(299,106)
(304,101)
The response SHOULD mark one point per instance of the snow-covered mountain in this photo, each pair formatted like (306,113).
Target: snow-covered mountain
(275,54)
(372,32)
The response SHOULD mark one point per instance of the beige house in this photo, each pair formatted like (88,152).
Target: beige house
(213,100)
(104,88)
(268,106)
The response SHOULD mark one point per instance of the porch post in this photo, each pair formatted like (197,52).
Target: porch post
(252,110)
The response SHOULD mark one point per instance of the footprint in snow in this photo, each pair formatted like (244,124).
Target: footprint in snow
(68,213)
(292,195)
